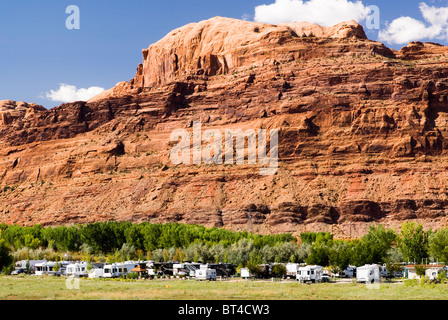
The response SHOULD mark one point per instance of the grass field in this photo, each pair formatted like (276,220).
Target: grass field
(52,288)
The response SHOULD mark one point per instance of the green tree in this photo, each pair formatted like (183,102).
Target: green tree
(420,270)
(438,245)
(5,254)
(374,246)
(340,255)
(413,243)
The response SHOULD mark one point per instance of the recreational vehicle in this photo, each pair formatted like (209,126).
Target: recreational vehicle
(96,273)
(245,273)
(205,273)
(310,273)
(119,269)
(25,266)
(50,267)
(291,270)
(433,272)
(77,269)
(368,273)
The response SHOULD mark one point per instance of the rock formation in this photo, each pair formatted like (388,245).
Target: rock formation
(363,135)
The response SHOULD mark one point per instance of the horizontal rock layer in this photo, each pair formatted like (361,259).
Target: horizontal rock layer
(362,135)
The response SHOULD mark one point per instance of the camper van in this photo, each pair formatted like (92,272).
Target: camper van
(369,273)
(310,274)
(205,273)
(118,269)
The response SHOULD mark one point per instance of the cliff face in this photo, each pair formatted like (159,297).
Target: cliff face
(363,135)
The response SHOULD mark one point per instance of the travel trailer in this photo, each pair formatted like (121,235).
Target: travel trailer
(118,269)
(310,274)
(245,273)
(205,273)
(291,270)
(21,266)
(77,270)
(369,273)
(433,273)
(48,268)
(96,273)
(186,269)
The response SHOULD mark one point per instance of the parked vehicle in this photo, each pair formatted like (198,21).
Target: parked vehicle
(350,272)
(119,269)
(205,273)
(245,273)
(18,271)
(96,273)
(49,268)
(77,269)
(433,273)
(325,278)
(26,266)
(310,274)
(369,273)
(291,270)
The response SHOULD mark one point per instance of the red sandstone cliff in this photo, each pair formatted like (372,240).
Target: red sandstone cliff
(363,135)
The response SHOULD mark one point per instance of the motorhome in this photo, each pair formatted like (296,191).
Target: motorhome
(25,266)
(118,269)
(369,273)
(310,274)
(205,273)
(77,269)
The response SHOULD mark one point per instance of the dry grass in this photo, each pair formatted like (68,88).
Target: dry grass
(51,288)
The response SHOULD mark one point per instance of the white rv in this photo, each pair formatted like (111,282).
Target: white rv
(433,273)
(369,273)
(47,268)
(205,273)
(21,266)
(118,269)
(291,270)
(310,273)
(77,269)
(96,273)
(245,273)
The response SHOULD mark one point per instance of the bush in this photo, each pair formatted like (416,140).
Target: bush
(279,270)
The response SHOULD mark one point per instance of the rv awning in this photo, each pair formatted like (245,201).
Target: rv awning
(139,269)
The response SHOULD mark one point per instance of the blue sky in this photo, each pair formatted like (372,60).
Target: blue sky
(38,52)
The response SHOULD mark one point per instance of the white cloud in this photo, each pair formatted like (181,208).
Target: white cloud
(322,12)
(68,93)
(407,29)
